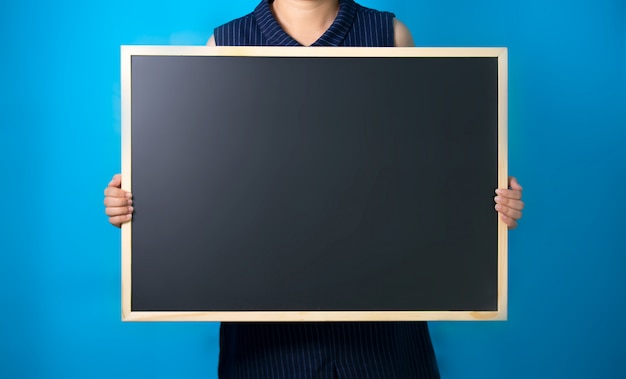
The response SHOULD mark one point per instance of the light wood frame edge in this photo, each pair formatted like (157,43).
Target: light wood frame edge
(313,316)
(126,53)
(503,179)
(501,53)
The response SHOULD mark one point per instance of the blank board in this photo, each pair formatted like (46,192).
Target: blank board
(307,184)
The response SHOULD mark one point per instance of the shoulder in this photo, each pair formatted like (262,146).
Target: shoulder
(370,11)
(238,22)
(227,33)
(402,35)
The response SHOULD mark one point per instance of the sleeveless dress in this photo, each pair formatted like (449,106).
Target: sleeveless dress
(322,350)
(354,26)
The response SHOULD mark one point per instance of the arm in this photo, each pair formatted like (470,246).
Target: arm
(117,202)
(508,200)
(401,35)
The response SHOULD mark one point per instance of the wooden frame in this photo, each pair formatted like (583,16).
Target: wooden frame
(128,314)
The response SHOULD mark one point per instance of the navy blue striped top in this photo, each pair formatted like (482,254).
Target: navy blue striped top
(354,25)
(327,350)
(321,350)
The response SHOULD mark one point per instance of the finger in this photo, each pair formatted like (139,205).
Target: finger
(119,220)
(511,223)
(110,201)
(118,211)
(514,184)
(511,203)
(514,191)
(116,181)
(509,212)
(509,193)
(117,192)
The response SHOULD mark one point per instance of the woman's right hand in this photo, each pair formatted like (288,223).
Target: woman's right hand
(118,203)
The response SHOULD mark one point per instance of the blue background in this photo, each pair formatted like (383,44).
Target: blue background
(60,144)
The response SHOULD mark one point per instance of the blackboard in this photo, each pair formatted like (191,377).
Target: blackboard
(284,184)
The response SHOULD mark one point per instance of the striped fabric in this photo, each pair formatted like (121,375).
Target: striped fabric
(351,350)
(355,350)
(354,26)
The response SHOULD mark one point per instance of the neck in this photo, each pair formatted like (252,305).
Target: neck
(305,20)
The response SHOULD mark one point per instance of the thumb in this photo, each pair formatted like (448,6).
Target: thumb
(514,184)
(116,181)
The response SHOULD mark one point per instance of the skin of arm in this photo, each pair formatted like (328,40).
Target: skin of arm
(402,36)
(508,201)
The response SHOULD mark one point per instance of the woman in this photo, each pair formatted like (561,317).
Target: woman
(332,349)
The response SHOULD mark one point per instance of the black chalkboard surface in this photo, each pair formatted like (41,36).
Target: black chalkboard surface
(314,184)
